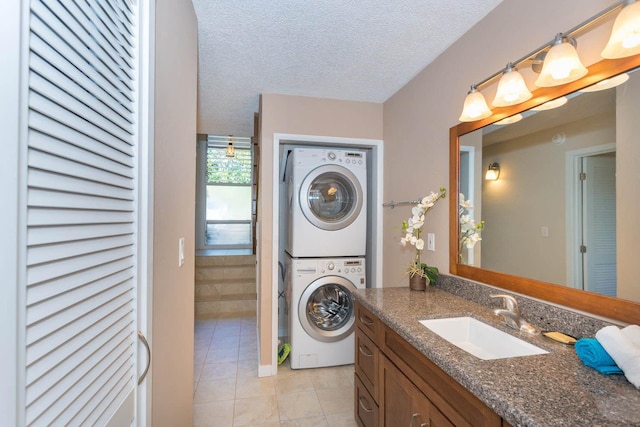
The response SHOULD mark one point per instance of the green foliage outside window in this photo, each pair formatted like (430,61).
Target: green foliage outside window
(228,170)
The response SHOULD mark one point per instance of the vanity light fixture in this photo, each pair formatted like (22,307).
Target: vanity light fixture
(561,64)
(607,83)
(550,105)
(231,151)
(625,35)
(512,89)
(493,173)
(475,106)
(559,58)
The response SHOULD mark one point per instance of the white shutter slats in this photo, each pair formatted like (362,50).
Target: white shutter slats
(71,395)
(96,330)
(81,211)
(39,103)
(92,82)
(44,309)
(48,235)
(55,94)
(42,217)
(51,76)
(63,284)
(47,134)
(59,251)
(104,17)
(40,198)
(56,33)
(71,180)
(42,272)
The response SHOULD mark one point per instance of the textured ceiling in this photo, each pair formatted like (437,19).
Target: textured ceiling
(344,49)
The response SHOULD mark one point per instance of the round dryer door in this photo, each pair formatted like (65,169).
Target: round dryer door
(331,197)
(326,308)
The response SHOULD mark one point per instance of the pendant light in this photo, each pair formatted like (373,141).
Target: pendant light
(512,89)
(607,83)
(625,35)
(231,151)
(561,64)
(475,106)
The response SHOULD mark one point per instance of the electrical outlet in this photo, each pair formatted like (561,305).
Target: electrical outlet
(431,242)
(544,231)
(181,252)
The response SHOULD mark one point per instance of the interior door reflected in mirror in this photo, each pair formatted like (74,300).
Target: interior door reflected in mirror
(545,194)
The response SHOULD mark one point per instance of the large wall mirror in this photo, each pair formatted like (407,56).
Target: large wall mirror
(560,220)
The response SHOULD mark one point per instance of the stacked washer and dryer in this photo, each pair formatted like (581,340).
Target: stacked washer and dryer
(325,252)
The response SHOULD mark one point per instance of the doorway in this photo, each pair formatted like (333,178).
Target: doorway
(591,218)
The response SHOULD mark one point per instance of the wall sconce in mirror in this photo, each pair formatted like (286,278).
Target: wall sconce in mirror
(493,173)
(557,61)
(231,151)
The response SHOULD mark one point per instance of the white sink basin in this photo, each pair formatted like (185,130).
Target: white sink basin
(480,339)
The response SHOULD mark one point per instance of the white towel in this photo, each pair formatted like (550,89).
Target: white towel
(623,350)
(633,333)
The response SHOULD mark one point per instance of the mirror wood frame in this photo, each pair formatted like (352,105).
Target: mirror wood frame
(608,307)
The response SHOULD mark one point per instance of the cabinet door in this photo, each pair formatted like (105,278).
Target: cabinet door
(403,404)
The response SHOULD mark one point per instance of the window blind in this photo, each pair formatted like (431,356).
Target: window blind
(81,211)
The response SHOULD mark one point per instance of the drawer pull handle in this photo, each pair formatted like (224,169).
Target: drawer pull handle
(366,320)
(362,401)
(365,351)
(416,415)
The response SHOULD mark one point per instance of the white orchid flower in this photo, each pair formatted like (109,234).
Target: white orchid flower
(403,242)
(419,244)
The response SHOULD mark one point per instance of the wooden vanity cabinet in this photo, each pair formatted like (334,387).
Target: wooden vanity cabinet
(396,385)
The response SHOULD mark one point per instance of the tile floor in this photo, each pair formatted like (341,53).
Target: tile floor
(228,392)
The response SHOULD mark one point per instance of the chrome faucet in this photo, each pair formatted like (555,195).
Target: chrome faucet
(512,316)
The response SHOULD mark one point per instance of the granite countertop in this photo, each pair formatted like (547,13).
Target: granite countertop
(553,389)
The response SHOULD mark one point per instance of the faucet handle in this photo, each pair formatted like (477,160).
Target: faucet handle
(510,302)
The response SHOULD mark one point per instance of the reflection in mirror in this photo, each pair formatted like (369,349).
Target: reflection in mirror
(552,214)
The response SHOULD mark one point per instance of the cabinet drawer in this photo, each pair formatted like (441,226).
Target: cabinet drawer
(368,323)
(367,359)
(366,409)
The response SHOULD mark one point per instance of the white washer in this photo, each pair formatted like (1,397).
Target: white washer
(326,196)
(321,314)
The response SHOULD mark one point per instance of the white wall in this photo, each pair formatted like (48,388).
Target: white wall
(174,212)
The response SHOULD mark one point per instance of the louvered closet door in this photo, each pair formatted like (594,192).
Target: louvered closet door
(81,212)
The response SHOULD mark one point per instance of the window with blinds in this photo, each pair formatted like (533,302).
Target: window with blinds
(81,211)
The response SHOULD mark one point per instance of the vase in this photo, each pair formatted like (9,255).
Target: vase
(417,283)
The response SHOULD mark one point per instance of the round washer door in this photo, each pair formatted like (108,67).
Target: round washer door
(326,308)
(331,197)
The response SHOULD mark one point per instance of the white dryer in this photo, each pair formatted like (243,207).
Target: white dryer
(326,196)
(321,314)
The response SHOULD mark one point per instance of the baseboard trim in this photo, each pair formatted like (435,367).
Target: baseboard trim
(265,371)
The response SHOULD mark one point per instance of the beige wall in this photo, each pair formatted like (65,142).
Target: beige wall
(418,117)
(174,212)
(627,179)
(530,194)
(300,116)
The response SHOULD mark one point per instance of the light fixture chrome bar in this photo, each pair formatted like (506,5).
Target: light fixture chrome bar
(569,33)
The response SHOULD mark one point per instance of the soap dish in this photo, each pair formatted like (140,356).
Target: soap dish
(559,337)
